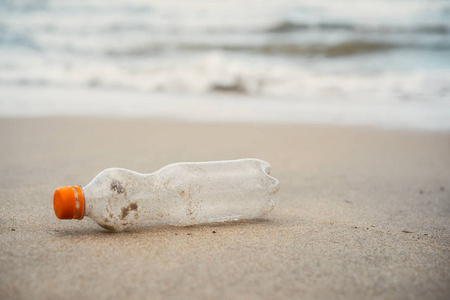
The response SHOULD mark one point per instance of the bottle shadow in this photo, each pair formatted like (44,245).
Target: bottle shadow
(96,231)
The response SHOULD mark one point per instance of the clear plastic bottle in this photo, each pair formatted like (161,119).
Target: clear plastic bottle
(178,194)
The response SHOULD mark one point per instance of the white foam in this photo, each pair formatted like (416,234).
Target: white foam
(41,102)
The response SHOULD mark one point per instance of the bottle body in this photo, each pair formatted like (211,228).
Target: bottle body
(181,194)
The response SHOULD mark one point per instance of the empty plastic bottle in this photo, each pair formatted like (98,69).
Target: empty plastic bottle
(178,194)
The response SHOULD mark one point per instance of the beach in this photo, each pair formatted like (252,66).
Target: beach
(349,103)
(362,213)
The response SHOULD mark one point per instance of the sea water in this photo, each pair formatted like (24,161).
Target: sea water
(382,63)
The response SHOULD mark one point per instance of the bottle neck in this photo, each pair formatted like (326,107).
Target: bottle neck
(81,202)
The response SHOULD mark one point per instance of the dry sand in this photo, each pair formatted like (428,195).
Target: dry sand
(361,213)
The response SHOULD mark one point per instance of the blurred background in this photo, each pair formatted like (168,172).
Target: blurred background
(378,63)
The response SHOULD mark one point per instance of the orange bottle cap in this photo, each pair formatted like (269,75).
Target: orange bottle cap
(68,202)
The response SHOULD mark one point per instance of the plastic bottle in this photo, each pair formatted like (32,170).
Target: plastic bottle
(178,194)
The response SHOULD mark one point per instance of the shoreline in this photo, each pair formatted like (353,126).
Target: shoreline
(31,102)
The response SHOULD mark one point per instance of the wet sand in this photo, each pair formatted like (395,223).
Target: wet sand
(361,213)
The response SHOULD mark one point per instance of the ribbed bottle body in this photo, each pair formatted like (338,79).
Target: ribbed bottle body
(181,194)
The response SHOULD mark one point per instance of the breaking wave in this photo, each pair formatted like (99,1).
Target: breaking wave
(288,26)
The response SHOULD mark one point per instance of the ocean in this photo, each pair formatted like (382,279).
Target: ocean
(377,63)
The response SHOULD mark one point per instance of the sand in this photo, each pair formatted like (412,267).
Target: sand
(362,213)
